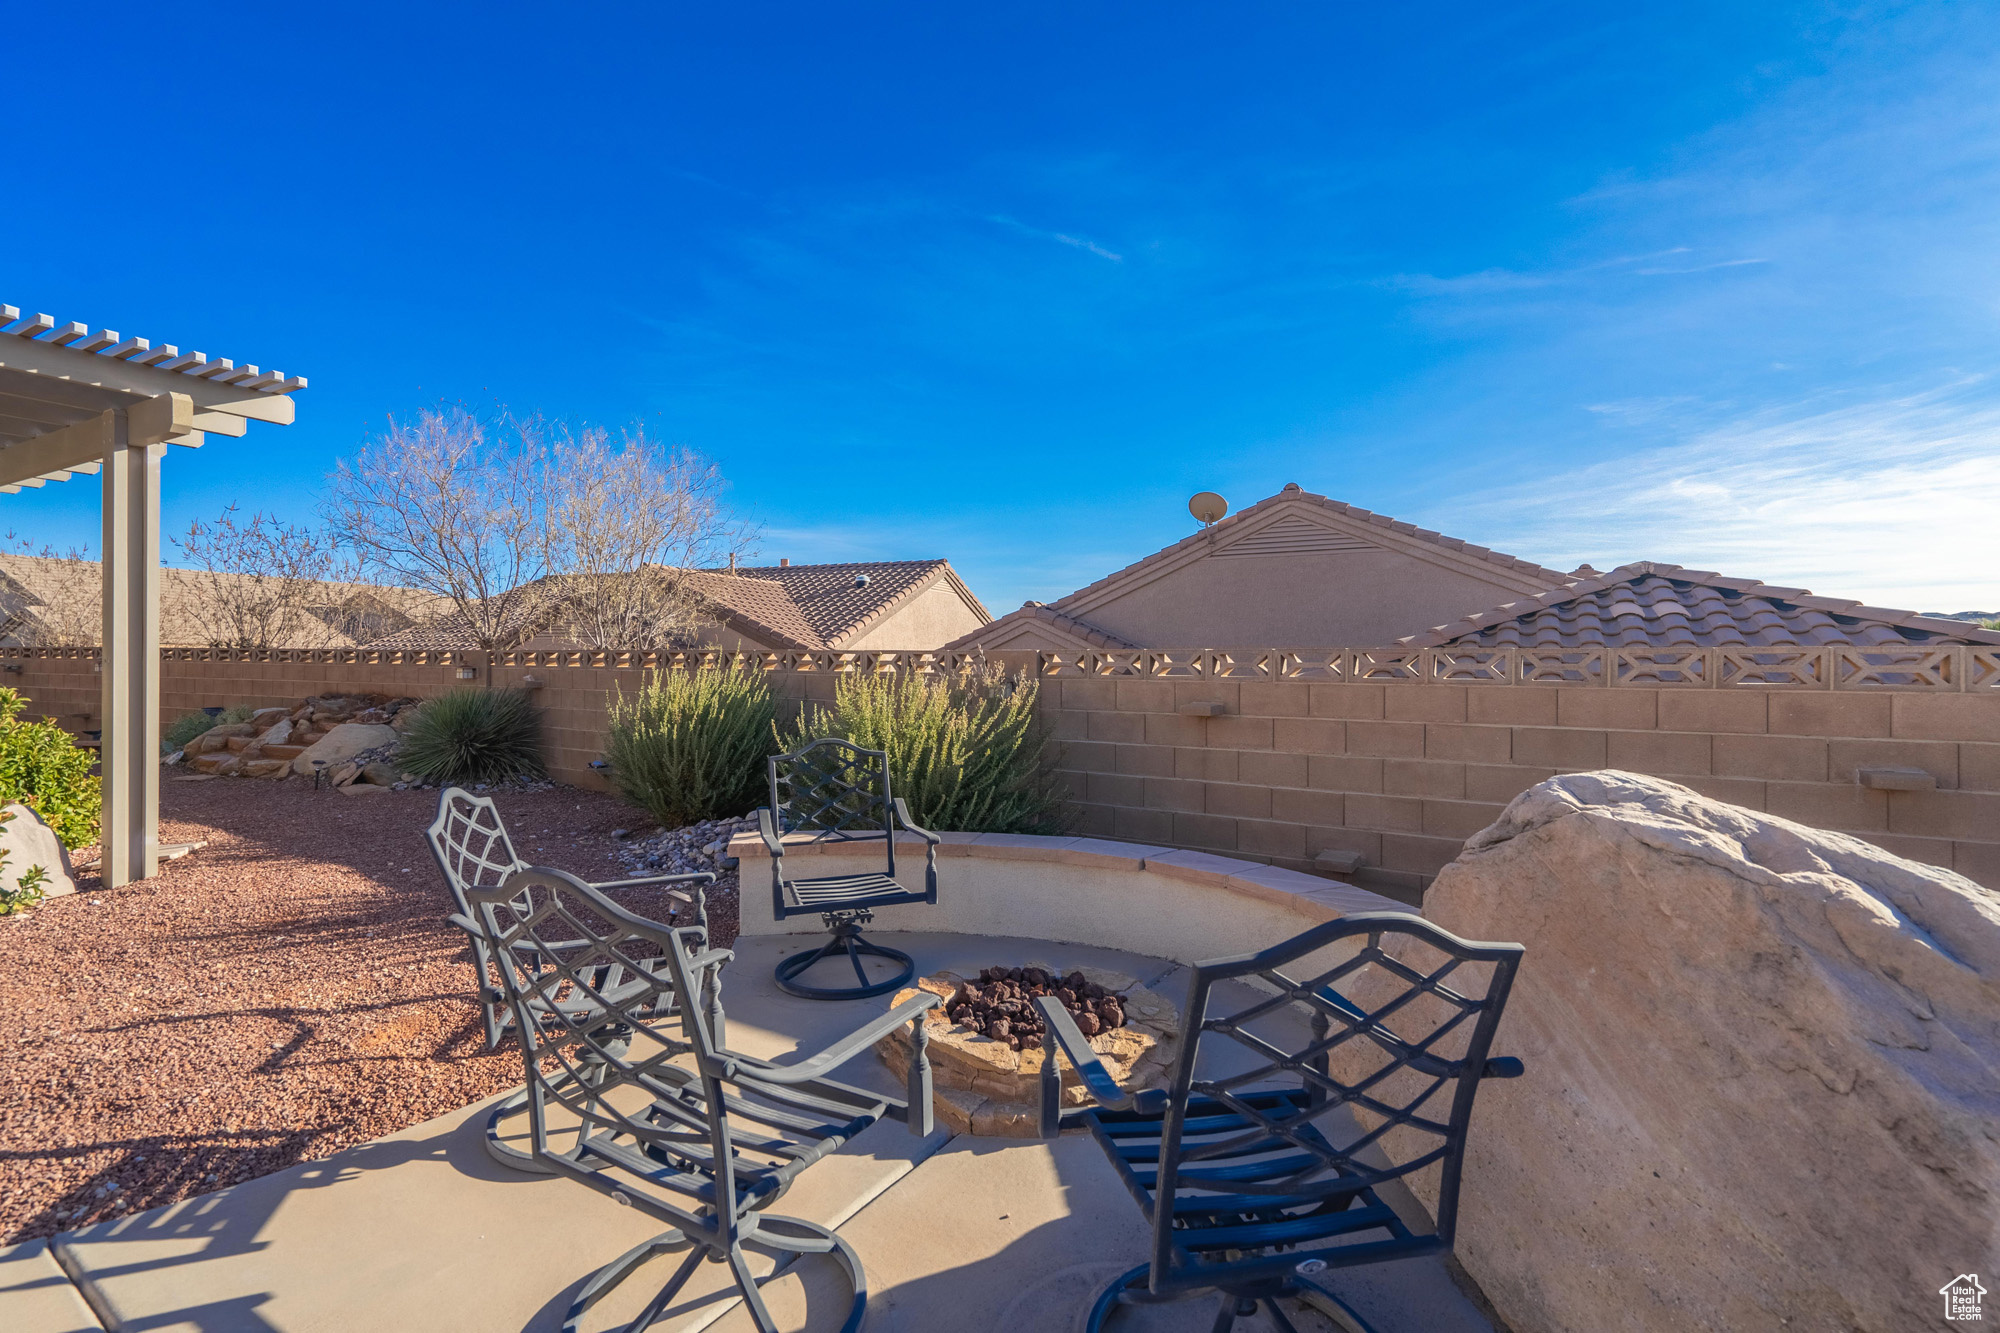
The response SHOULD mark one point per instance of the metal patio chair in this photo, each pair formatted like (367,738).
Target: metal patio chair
(663,1117)
(1287,1159)
(838,792)
(473,850)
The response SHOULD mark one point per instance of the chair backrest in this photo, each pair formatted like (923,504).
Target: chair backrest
(1351,1053)
(587,980)
(473,851)
(834,791)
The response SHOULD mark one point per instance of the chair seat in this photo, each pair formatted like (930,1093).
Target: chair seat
(842,892)
(1242,1189)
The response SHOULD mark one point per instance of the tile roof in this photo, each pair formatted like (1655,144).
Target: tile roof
(1656,605)
(1075,626)
(783,606)
(1294,494)
(44,595)
(833,601)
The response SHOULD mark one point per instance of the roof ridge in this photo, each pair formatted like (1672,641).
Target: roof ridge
(1294,492)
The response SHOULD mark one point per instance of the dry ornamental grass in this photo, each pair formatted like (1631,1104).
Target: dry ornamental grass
(287,991)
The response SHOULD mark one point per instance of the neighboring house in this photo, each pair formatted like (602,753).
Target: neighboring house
(48,601)
(1294,570)
(886,604)
(1648,605)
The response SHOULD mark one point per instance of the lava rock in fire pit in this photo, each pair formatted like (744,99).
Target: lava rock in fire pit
(1001,1004)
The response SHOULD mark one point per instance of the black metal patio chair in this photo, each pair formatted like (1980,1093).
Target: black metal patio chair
(836,791)
(473,850)
(1287,1158)
(663,1117)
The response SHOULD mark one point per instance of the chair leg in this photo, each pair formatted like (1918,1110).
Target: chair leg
(607,1278)
(1334,1308)
(1231,1308)
(515,1159)
(1113,1296)
(847,939)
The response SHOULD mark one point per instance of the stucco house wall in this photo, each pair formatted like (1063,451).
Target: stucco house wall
(935,616)
(1349,596)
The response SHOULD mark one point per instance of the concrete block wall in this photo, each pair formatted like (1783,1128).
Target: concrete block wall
(1403,772)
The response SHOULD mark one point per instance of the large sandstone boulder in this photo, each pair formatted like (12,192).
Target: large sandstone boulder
(1763,1084)
(342,744)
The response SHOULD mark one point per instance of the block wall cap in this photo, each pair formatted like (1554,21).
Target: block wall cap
(1896,779)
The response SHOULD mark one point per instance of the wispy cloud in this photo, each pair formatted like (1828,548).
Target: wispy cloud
(1699,268)
(1059,237)
(1893,501)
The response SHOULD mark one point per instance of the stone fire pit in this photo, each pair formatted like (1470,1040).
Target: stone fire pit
(985,1086)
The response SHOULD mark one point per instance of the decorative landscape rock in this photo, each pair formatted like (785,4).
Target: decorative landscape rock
(1763,1068)
(344,742)
(275,742)
(28,843)
(989,1086)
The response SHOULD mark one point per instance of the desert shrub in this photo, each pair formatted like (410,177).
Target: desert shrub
(474,735)
(691,744)
(968,754)
(190,725)
(41,767)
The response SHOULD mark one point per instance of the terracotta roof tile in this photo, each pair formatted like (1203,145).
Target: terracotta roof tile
(1654,605)
(784,606)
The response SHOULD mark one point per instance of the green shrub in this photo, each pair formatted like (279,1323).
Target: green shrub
(27,891)
(41,767)
(968,755)
(190,725)
(474,735)
(691,744)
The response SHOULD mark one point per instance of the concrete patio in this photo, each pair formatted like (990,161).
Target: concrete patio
(424,1229)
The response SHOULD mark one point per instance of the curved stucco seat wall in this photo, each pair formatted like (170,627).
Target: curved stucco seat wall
(1187,906)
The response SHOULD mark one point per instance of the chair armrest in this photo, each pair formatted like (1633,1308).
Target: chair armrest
(772,843)
(903,814)
(841,1051)
(1064,1035)
(701,878)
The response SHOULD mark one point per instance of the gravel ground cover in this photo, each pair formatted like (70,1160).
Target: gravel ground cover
(289,990)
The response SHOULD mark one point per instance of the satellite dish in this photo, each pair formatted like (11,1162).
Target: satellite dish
(1208,507)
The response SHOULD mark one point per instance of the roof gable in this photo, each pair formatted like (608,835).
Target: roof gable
(1296,521)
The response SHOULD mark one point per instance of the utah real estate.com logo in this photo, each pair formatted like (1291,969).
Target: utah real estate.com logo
(1961,1298)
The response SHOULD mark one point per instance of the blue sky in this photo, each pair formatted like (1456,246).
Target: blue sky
(1710,284)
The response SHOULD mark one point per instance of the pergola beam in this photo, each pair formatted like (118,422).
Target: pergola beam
(76,402)
(89,368)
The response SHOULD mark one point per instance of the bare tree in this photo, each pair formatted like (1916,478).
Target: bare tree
(629,523)
(533,528)
(437,505)
(262,583)
(58,600)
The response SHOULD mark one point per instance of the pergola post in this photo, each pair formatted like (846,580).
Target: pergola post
(130,657)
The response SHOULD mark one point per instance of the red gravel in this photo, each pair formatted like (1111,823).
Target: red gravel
(289,990)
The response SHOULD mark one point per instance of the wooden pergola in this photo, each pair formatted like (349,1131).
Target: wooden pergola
(76,401)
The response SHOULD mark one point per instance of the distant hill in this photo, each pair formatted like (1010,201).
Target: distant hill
(1964,615)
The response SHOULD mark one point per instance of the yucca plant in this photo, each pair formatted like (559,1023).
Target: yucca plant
(474,735)
(690,745)
(969,755)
